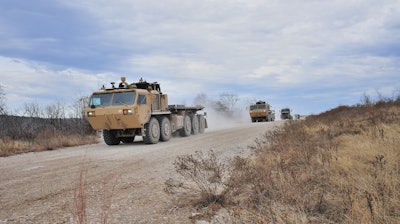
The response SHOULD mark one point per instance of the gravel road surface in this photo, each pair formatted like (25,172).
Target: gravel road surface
(125,181)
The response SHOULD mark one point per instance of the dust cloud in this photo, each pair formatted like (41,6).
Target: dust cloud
(218,120)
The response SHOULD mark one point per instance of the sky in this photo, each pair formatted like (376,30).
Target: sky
(309,55)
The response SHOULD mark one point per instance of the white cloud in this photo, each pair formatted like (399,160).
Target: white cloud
(26,81)
(176,67)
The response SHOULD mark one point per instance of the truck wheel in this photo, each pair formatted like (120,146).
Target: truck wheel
(195,124)
(165,127)
(152,132)
(202,124)
(187,127)
(109,138)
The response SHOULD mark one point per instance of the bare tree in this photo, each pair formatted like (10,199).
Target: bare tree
(228,100)
(201,99)
(2,103)
(32,110)
(78,106)
(55,113)
(220,107)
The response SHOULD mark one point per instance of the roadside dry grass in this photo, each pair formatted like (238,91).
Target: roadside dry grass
(341,166)
(45,140)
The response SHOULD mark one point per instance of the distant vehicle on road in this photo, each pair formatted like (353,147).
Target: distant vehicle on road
(285,114)
(261,111)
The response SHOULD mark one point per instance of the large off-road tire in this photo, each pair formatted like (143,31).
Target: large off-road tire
(195,124)
(165,129)
(202,124)
(109,137)
(152,132)
(187,127)
(127,139)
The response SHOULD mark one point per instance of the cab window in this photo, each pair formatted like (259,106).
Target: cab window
(142,99)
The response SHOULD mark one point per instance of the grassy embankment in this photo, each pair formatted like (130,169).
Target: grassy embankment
(341,166)
(22,134)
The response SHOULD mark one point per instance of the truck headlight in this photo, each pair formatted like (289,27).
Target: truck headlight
(91,114)
(127,111)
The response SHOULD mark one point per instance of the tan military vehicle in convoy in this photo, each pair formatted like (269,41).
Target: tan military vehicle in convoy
(261,111)
(285,114)
(140,109)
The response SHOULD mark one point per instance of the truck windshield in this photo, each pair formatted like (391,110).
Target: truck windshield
(257,107)
(100,100)
(115,99)
(123,98)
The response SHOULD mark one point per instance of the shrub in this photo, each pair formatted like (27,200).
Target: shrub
(204,178)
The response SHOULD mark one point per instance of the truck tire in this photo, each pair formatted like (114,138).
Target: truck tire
(109,137)
(165,129)
(187,127)
(152,132)
(195,124)
(202,124)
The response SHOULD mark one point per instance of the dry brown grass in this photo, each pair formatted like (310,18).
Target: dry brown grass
(341,166)
(45,140)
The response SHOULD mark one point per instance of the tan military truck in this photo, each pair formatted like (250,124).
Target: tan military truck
(140,109)
(285,114)
(261,111)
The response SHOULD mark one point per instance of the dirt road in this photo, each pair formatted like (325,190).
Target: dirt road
(129,178)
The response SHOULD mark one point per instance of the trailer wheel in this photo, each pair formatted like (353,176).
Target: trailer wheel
(202,124)
(195,124)
(187,127)
(109,137)
(165,127)
(152,132)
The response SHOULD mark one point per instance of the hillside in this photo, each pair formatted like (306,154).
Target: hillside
(341,166)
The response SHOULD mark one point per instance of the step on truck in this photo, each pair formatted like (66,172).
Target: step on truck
(140,109)
(261,111)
